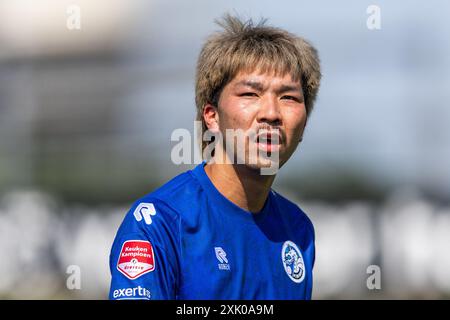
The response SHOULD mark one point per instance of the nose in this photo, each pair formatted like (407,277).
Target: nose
(269,111)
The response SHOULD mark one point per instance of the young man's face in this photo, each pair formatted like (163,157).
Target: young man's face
(264,103)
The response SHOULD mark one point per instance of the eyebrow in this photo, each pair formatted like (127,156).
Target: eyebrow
(259,86)
(286,88)
(252,84)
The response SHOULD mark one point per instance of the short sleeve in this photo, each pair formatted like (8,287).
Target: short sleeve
(144,259)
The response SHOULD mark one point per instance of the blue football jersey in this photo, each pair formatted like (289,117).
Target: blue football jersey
(187,241)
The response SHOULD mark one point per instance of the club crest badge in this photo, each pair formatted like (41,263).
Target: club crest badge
(293,263)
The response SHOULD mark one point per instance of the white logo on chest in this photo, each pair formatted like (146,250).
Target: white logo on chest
(221,255)
(292,260)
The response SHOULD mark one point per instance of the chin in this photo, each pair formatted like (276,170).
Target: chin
(267,165)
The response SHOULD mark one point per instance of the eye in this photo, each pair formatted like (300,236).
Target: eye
(248,94)
(291,98)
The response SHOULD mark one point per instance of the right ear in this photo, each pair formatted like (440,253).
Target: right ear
(211,117)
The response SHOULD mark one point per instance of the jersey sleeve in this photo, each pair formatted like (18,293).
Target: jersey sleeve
(144,259)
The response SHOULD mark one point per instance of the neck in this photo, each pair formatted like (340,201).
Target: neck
(243,186)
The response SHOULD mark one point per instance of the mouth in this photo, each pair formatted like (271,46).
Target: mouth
(269,141)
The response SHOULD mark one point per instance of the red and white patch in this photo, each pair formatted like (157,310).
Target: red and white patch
(136,258)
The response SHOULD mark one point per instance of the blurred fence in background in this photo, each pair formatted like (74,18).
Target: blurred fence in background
(406,236)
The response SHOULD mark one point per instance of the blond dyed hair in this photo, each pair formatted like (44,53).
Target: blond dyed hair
(245,46)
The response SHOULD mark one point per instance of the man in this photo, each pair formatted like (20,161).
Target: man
(219,231)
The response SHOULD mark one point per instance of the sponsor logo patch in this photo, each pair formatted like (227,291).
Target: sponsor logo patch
(132,293)
(136,258)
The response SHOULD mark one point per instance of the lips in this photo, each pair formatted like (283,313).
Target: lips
(268,141)
(269,138)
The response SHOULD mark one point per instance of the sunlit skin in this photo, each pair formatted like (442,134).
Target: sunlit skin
(255,101)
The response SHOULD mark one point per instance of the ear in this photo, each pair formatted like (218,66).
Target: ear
(211,117)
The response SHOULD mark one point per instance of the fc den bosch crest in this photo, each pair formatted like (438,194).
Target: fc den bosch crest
(293,263)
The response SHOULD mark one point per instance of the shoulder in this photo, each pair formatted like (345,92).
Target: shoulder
(177,192)
(164,206)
